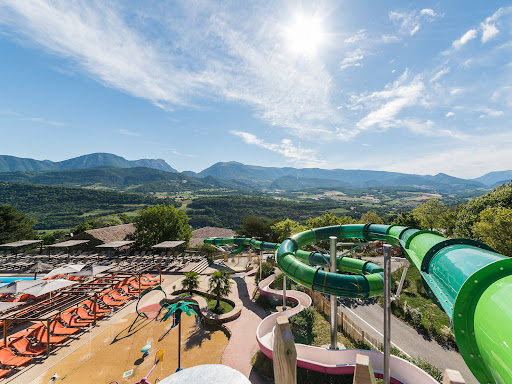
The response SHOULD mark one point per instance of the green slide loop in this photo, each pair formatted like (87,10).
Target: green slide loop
(470,281)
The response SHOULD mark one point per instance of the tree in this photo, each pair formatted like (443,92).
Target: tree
(15,226)
(52,237)
(257,227)
(470,213)
(328,219)
(284,229)
(407,220)
(208,249)
(371,217)
(430,214)
(191,281)
(219,286)
(495,229)
(160,223)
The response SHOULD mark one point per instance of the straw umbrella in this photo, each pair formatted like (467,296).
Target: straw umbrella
(39,267)
(93,270)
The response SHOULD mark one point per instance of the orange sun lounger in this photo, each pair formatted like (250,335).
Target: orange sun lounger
(7,357)
(26,348)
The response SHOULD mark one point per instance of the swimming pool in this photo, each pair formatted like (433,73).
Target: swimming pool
(4,280)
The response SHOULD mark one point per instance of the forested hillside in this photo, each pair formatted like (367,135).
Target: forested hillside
(228,211)
(62,207)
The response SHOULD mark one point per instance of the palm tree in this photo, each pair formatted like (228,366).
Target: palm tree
(191,281)
(219,286)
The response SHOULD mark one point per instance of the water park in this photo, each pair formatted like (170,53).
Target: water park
(128,322)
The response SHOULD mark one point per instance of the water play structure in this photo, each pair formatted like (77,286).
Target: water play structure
(470,281)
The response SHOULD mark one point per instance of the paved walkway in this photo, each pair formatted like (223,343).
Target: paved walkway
(242,344)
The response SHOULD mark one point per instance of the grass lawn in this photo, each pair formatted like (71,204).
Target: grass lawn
(224,306)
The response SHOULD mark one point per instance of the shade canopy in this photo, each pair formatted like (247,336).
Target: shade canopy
(115,244)
(21,243)
(48,286)
(39,267)
(93,270)
(68,244)
(168,244)
(68,268)
(4,306)
(19,286)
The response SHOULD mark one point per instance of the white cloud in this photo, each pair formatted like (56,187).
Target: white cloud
(488,32)
(299,156)
(410,22)
(127,132)
(439,74)
(356,38)
(175,152)
(39,120)
(489,112)
(387,104)
(429,12)
(450,114)
(231,60)
(352,59)
(469,35)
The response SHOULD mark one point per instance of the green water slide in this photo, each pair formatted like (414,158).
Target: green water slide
(470,281)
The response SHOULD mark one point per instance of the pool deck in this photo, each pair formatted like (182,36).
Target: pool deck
(33,372)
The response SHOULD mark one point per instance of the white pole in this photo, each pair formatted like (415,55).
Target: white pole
(284,292)
(334,299)
(387,311)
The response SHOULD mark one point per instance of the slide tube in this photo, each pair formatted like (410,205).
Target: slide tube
(470,281)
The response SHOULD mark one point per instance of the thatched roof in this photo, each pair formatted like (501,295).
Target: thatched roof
(107,234)
(202,233)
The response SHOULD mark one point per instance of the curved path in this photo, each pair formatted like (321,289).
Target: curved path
(337,362)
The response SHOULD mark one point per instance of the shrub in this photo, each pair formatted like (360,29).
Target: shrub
(267,269)
(302,326)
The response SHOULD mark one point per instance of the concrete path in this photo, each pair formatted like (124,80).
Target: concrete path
(370,318)
(242,344)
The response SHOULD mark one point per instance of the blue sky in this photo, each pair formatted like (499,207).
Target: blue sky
(385,85)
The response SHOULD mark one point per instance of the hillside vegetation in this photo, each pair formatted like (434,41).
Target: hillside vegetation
(62,207)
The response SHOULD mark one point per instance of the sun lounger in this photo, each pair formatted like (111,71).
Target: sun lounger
(41,335)
(26,348)
(116,296)
(71,321)
(148,277)
(7,357)
(4,372)
(127,290)
(83,314)
(90,306)
(58,329)
(111,303)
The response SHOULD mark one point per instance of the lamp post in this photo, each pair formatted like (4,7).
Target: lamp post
(387,311)
(334,299)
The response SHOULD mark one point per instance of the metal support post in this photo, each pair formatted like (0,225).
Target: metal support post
(387,311)
(284,292)
(402,279)
(334,299)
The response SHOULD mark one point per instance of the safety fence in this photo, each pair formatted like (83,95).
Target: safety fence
(348,326)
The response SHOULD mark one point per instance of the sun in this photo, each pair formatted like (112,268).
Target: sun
(305,35)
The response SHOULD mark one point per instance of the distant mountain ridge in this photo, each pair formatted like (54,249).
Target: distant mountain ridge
(93,160)
(289,178)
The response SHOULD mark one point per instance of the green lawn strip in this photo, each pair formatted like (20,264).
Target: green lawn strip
(224,306)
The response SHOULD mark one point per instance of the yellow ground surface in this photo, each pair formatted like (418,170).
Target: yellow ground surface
(117,350)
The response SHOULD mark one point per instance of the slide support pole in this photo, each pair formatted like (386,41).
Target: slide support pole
(387,312)
(334,299)
(284,292)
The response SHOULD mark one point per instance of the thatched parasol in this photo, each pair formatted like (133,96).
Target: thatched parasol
(39,267)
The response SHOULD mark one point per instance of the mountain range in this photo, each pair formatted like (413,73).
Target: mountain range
(155,174)
(94,160)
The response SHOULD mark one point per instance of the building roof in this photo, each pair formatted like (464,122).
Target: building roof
(202,233)
(69,244)
(115,244)
(168,244)
(20,243)
(108,234)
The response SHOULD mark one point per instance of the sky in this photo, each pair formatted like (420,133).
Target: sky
(382,85)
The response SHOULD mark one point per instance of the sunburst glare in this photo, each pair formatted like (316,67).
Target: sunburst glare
(305,35)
